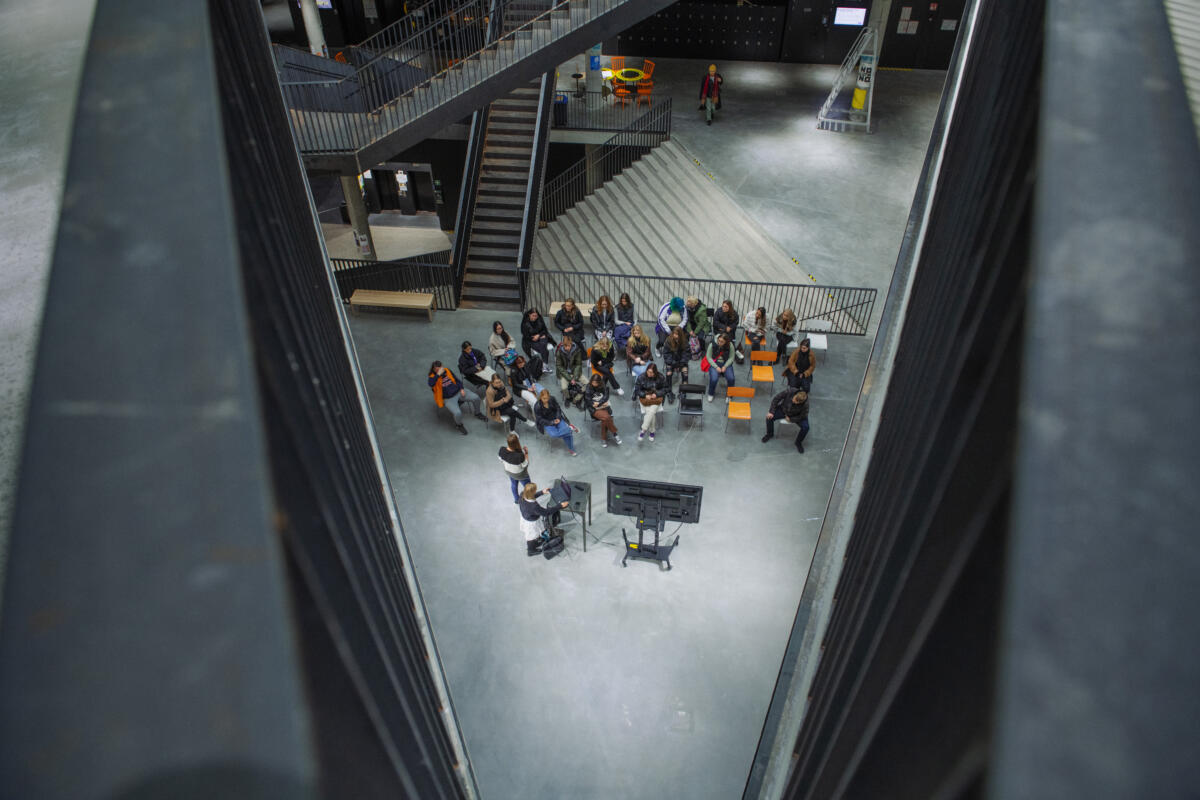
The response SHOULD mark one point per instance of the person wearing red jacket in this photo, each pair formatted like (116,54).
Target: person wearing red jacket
(710,92)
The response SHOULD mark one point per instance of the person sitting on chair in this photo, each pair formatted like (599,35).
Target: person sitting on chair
(720,362)
(535,337)
(697,323)
(500,402)
(501,345)
(601,360)
(756,329)
(725,320)
(650,390)
(534,518)
(676,355)
(446,387)
(785,325)
(625,321)
(800,366)
(569,320)
(568,367)
(637,352)
(523,379)
(604,318)
(595,398)
(793,406)
(673,314)
(474,366)
(553,422)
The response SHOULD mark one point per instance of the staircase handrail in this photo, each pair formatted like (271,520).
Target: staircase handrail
(409,16)
(615,154)
(537,172)
(467,196)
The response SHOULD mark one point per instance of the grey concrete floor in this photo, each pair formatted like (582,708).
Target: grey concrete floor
(576,677)
(572,678)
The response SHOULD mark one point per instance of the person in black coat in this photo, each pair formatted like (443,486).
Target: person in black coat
(569,321)
(650,389)
(792,405)
(726,321)
(534,518)
(474,366)
(675,355)
(601,358)
(604,318)
(535,337)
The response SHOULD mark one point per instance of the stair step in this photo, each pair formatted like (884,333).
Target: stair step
(497,239)
(507,150)
(491,253)
(504,213)
(495,199)
(491,305)
(492,295)
(507,139)
(489,280)
(492,266)
(494,226)
(502,162)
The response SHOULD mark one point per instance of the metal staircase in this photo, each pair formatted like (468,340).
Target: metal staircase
(842,112)
(511,164)
(448,65)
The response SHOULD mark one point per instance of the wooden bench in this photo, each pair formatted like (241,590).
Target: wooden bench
(416,301)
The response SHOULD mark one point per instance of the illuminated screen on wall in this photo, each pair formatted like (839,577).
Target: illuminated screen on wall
(326,4)
(850,16)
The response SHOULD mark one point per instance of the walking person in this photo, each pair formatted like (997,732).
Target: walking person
(515,458)
(793,406)
(710,92)
(595,398)
(447,387)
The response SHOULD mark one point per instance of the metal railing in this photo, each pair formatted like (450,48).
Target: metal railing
(429,272)
(535,186)
(840,310)
(468,195)
(441,61)
(598,111)
(607,161)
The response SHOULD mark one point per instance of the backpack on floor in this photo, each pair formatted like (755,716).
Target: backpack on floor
(694,346)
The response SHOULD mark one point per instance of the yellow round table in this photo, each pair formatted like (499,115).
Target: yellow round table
(629,75)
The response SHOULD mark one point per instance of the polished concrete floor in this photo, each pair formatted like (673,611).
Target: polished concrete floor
(574,677)
(577,677)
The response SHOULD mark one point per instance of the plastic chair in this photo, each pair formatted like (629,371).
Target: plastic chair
(762,372)
(620,91)
(618,63)
(738,410)
(691,403)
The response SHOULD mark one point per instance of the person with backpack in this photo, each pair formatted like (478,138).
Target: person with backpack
(697,324)
(792,405)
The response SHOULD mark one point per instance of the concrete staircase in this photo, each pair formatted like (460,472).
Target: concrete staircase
(490,273)
(662,216)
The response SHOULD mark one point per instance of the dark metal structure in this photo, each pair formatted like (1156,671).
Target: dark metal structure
(208,590)
(1002,600)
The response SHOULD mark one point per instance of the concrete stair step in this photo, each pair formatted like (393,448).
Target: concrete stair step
(491,252)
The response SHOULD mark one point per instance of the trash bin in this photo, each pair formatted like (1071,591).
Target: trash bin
(560,109)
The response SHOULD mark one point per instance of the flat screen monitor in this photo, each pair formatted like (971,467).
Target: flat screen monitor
(671,502)
(846,15)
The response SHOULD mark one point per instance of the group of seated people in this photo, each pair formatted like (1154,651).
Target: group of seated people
(685,331)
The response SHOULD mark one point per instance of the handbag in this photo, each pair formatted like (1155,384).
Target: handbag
(704,363)
(646,401)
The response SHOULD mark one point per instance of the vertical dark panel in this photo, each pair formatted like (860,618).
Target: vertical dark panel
(931,44)
(147,647)
(811,37)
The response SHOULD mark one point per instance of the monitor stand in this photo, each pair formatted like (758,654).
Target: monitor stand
(639,549)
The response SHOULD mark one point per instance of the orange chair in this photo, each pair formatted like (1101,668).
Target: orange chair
(645,86)
(618,63)
(621,92)
(760,371)
(738,410)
